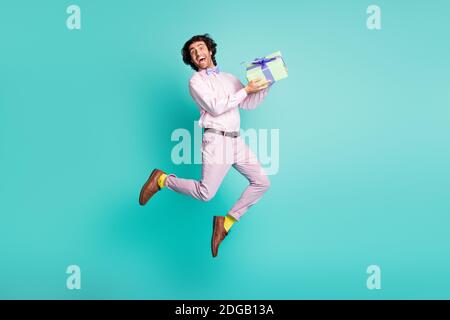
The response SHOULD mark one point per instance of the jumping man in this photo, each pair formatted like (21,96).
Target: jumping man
(218,95)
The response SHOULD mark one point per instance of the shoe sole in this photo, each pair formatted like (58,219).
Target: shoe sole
(144,186)
(212,238)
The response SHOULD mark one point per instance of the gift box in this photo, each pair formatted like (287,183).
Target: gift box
(271,67)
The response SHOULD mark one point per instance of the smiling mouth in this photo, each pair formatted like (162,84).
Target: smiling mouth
(202,59)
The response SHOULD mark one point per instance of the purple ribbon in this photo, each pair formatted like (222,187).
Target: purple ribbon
(262,62)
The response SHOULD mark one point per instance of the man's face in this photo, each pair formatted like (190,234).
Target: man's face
(200,55)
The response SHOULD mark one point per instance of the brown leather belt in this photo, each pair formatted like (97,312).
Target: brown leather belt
(232,134)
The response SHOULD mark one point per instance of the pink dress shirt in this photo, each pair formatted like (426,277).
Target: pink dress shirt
(219,97)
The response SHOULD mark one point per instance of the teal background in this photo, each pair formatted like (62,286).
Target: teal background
(364,172)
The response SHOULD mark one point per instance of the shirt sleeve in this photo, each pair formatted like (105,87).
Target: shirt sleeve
(252,100)
(214,102)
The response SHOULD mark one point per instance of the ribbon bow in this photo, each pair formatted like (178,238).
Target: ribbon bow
(263,61)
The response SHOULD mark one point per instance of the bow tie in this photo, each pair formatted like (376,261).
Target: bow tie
(212,70)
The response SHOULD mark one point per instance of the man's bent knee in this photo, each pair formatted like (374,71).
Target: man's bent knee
(206,193)
(263,183)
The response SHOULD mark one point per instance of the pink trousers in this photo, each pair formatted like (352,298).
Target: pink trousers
(219,153)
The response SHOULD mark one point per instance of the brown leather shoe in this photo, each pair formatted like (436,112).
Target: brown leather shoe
(150,187)
(219,233)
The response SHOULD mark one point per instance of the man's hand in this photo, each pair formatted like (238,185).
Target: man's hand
(256,85)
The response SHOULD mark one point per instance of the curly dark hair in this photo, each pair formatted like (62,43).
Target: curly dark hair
(210,44)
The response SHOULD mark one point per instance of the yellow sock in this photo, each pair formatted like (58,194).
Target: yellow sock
(162,180)
(229,221)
